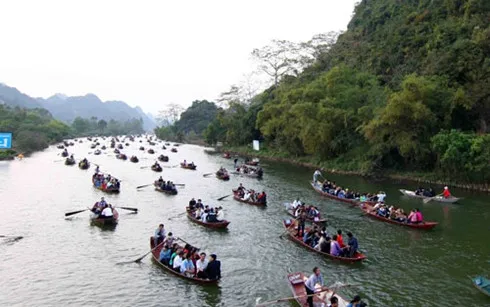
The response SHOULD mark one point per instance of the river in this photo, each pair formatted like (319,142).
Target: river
(61,261)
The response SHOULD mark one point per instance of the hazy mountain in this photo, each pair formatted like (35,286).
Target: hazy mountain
(67,108)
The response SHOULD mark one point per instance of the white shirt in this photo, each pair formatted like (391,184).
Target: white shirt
(204,216)
(381,197)
(177,261)
(296,203)
(201,265)
(246,196)
(107,212)
(221,215)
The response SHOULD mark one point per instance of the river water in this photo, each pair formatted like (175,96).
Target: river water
(68,261)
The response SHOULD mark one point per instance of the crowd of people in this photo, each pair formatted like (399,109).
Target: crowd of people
(300,209)
(206,214)
(249,170)
(185,164)
(105,182)
(156,165)
(251,195)
(332,188)
(165,186)
(102,209)
(186,260)
(430,192)
(398,214)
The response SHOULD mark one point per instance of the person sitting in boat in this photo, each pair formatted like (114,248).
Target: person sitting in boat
(309,237)
(199,204)
(185,163)
(169,240)
(446,193)
(334,302)
(382,211)
(352,246)
(262,198)
(187,267)
(323,244)
(192,204)
(198,213)
(298,211)
(247,196)
(356,302)
(381,196)
(160,180)
(213,270)
(221,214)
(204,216)
(418,214)
(159,234)
(156,165)
(201,265)
(107,212)
(165,255)
(211,218)
(177,261)
(295,204)
(412,217)
(340,239)
(335,249)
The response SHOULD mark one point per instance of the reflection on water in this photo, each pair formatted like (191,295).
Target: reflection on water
(62,260)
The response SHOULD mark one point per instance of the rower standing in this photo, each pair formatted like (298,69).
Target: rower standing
(315,176)
(315,278)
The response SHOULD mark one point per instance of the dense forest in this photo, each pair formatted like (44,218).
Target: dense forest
(32,129)
(406,88)
(95,126)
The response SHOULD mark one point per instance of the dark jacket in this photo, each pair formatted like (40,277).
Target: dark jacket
(213,271)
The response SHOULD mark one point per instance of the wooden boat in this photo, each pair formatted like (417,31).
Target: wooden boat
(441,199)
(353,202)
(159,189)
(97,152)
(310,219)
(103,147)
(227,155)
(253,162)
(151,151)
(299,240)
(142,148)
(83,165)
(425,225)
(251,172)
(93,146)
(111,189)
(69,161)
(218,225)
(120,146)
(222,175)
(64,154)
(60,146)
(122,157)
(163,158)
(94,219)
(163,147)
(116,151)
(188,166)
(297,282)
(173,150)
(237,198)
(134,159)
(155,251)
(113,145)
(482,284)
(156,168)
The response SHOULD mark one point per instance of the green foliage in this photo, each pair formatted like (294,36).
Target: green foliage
(92,126)
(33,129)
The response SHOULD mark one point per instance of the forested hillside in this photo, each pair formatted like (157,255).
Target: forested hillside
(405,88)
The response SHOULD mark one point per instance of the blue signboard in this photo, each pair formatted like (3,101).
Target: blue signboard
(5,140)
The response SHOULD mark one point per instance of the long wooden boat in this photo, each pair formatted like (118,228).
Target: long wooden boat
(122,157)
(441,199)
(107,190)
(156,168)
(173,150)
(292,235)
(134,159)
(188,166)
(296,282)
(482,284)
(217,225)
(84,165)
(64,154)
(310,219)
(94,219)
(151,151)
(223,176)
(353,202)
(163,158)
(155,252)
(424,225)
(69,161)
(238,198)
(159,189)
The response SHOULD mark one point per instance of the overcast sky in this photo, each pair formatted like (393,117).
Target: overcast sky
(149,53)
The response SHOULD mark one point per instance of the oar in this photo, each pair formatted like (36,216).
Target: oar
(180,184)
(287,229)
(221,198)
(429,199)
(130,209)
(145,167)
(208,174)
(140,258)
(12,237)
(58,160)
(75,212)
(178,215)
(144,186)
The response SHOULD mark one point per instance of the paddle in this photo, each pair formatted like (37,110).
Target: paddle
(145,167)
(287,229)
(180,184)
(221,198)
(144,186)
(75,212)
(429,199)
(130,209)
(140,258)
(12,237)
(208,174)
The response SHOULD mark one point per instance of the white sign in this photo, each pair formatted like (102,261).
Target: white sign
(256,145)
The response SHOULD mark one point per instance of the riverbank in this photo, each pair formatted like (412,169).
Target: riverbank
(351,168)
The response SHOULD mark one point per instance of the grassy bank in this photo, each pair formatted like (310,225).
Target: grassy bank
(351,167)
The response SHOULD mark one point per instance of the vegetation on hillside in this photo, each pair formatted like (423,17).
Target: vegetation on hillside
(32,129)
(95,126)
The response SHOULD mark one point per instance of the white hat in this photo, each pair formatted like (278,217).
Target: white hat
(445,188)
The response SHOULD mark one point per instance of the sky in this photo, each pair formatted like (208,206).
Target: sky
(149,53)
